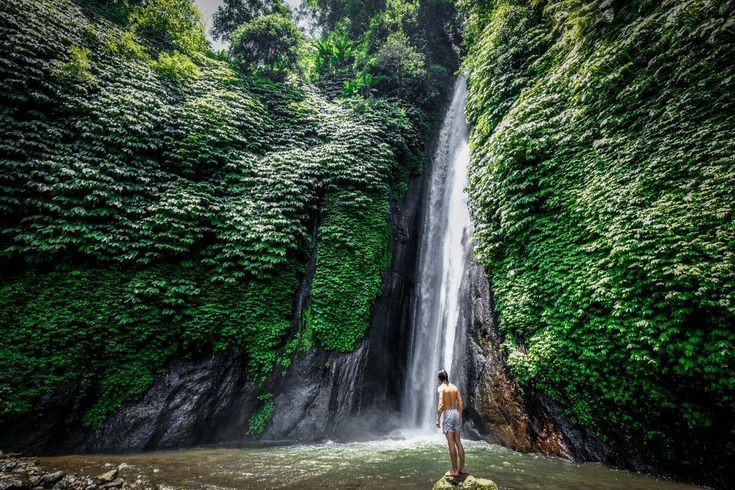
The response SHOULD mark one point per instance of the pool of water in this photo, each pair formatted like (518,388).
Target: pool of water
(409,462)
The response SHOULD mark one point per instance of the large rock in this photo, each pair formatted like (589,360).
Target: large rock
(47,479)
(468,482)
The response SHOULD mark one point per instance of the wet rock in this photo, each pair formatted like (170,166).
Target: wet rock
(117,483)
(14,482)
(607,13)
(47,480)
(61,485)
(108,476)
(464,482)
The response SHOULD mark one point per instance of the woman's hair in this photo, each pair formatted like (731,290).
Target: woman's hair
(443,376)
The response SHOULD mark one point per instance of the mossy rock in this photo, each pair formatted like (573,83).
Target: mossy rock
(469,482)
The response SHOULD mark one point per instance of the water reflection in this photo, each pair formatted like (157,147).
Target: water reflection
(414,462)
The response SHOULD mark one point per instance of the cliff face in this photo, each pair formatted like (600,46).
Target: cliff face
(344,396)
(163,214)
(213,399)
(503,412)
(600,184)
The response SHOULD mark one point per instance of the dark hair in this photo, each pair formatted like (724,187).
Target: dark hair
(443,376)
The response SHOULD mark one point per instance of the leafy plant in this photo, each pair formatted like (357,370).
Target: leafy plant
(361,85)
(235,13)
(77,69)
(169,25)
(176,67)
(127,47)
(267,44)
(603,209)
(260,419)
(333,53)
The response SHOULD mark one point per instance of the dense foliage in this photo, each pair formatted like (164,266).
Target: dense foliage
(389,48)
(602,186)
(155,202)
(268,44)
(235,13)
(169,24)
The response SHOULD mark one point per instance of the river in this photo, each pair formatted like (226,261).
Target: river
(417,457)
(411,463)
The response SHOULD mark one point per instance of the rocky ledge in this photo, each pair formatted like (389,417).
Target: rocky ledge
(19,473)
(468,482)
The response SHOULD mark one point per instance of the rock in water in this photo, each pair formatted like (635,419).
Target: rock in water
(108,477)
(467,482)
(47,479)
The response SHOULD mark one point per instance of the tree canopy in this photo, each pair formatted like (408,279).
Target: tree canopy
(235,13)
(267,44)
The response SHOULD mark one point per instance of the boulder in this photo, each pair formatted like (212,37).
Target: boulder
(61,485)
(466,482)
(47,479)
(108,476)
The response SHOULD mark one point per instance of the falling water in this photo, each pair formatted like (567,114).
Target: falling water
(443,254)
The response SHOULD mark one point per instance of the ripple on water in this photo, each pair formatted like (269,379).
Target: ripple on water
(415,461)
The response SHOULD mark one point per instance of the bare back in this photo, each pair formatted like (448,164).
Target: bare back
(449,397)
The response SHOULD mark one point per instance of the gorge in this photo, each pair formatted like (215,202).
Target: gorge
(261,264)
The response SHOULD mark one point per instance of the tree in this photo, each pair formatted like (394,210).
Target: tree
(234,13)
(358,12)
(170,24)
(267,44)
(400,66)
(333,53)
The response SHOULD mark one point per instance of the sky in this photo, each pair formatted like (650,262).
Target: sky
(208,7)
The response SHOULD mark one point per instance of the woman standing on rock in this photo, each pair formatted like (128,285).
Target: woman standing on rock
(449,412)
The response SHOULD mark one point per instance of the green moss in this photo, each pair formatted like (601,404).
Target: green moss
(176,67)
(142,223)
(260,419)
(352,253)
(601,184)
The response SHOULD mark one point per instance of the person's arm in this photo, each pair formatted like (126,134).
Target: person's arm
(461,405)
(440,407)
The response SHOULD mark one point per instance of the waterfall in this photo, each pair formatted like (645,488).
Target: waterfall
(444,252)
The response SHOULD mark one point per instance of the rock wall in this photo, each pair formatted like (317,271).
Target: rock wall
(197,401)
(501,413)
(210,399)
(335,395)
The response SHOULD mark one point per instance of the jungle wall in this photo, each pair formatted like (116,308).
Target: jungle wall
(176,231)
(603,164)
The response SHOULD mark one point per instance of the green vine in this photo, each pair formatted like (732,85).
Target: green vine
(601,185)
(144,219)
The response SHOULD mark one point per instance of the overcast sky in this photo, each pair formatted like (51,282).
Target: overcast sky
(209,6)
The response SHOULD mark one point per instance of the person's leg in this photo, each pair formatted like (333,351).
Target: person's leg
(460,450)
(452,453)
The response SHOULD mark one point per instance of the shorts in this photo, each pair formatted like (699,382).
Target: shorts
(451,421)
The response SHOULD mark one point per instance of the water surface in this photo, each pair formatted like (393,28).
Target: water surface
(411,463)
